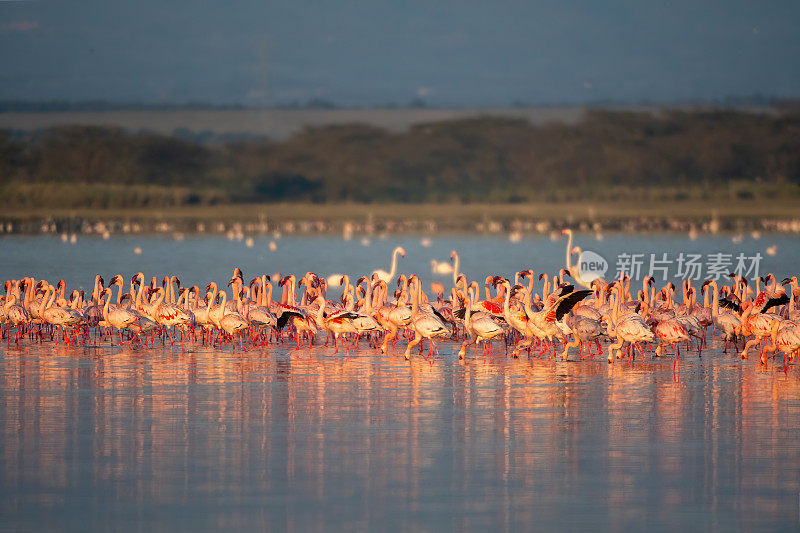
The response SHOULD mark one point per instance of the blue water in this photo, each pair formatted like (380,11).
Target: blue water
(112,438)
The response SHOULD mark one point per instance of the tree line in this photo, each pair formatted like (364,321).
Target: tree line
(671,155)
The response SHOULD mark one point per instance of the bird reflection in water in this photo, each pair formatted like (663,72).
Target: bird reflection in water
(369,441)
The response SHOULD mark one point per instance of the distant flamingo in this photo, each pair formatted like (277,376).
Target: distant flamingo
(574,269)
(389,276)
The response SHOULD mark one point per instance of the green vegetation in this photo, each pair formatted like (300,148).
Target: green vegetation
(674,156)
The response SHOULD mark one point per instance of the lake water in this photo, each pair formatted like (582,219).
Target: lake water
(107,437)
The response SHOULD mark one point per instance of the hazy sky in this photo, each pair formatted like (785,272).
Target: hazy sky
(455,52)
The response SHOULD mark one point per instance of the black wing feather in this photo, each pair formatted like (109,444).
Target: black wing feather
(437,313)
(569,301)
(284,318)
(730,304)
(772,302)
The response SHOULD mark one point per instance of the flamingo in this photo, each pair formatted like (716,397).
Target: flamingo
(757,321)
(574,269)
(627,327)
(728,323)
(584,330)
(480,328)
(115,316)
(62,317)
(456,264)
(397,317)
(425,325)
(338,322)
(389,276)
(517,319)
(786,338)
(232,323)
(670,332)
(441,267)
(15,313)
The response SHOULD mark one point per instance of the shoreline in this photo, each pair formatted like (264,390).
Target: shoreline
(523,218)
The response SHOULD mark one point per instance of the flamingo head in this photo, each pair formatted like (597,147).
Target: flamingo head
(342,279)
(134,280)
(176,281)
(566,231)
(542,275)
(497,280)
(232,281)
(786,281)
(401,250)
(575,250)
(453,255)
(253,282)
(361,280)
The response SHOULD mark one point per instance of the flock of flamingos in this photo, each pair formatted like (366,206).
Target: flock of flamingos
(386,309)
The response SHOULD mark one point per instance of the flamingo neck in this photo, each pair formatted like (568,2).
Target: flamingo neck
(394,263)
(224,299)
(105,305)
(568,259)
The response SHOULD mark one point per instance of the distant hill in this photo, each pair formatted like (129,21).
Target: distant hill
(597,154)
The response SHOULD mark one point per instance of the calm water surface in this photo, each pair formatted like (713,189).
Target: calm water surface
(105,437)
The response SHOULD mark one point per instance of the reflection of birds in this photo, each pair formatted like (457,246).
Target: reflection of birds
(441,267)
